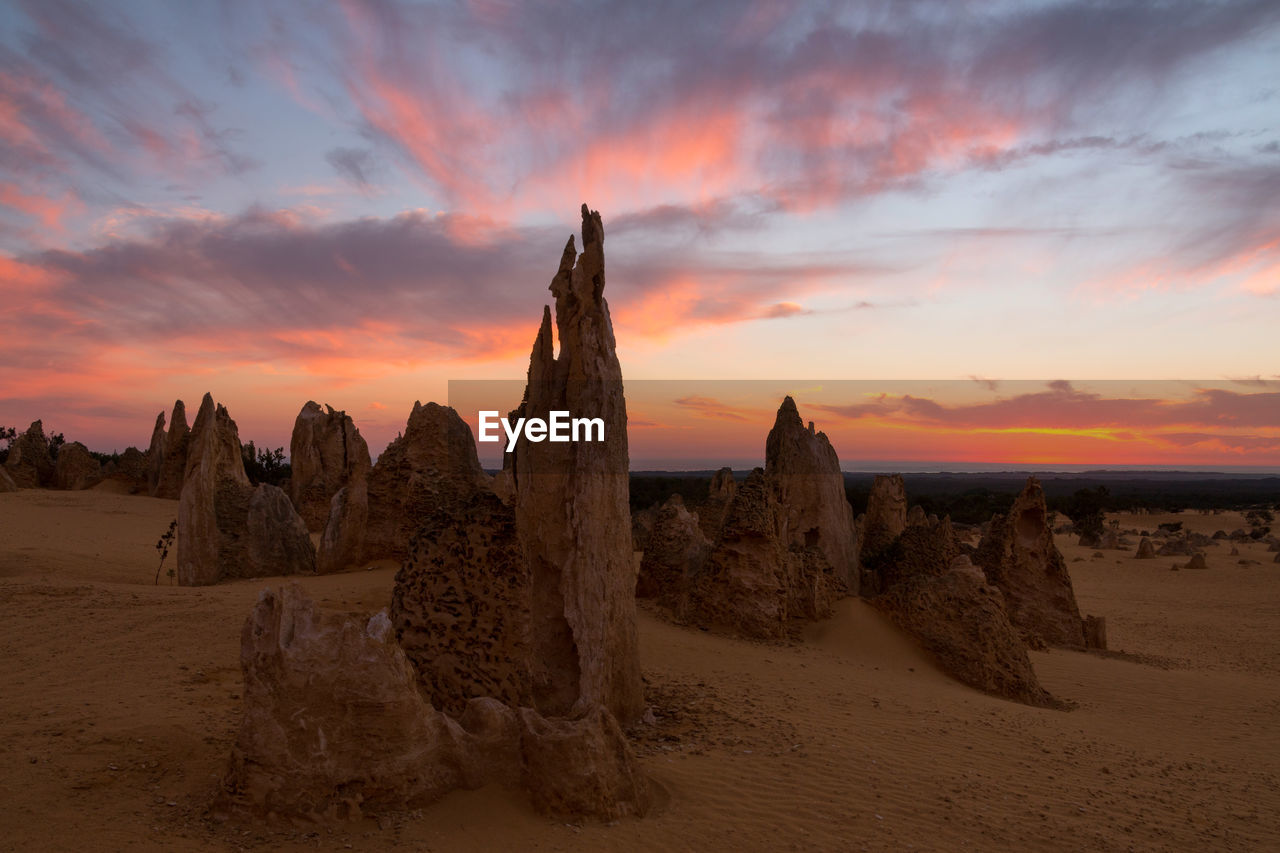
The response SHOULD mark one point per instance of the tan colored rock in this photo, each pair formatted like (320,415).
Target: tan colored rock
(6,482)
(1110,540)
(155,455)
(333,721)
(460,607)
(642,525)
(1196,562)
(719,495)
(29,464)
(753,584)
(174,466)
(676,551)
(1019,558)
(432,464)
(342,543)
(334,726)
(921,549)
(572,501)
(886,516)
(226,527)
(326,452)
(962,623)
(805,475)
(581,766)
(131,468)
(276,540)
(76,469)
(1146,551)
(916,517)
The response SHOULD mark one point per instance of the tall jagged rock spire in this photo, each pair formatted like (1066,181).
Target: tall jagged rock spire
(572,506)
(805,473)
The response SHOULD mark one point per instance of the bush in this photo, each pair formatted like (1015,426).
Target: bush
(265,466)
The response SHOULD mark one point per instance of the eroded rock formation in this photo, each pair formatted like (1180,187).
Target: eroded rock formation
(753,583)
(805,475)
(227,528)
(6,482)
(460,607)
(675,552)
(132,469)
(572,501)
(886,516)
(342,543)
(174,465)
(333,721)
(76,469)
(334,726)
(1019,557)
(961,621)
(520,620)
(432,464)
(326,453)
(934,592)
(155,455)
(1146,551)
(29,464)
(719,495)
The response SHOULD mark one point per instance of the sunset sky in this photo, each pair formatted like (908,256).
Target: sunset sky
(357,202)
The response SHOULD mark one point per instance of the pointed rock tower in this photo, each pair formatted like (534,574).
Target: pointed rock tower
(572,508)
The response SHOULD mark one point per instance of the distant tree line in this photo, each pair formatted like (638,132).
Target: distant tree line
(973,499)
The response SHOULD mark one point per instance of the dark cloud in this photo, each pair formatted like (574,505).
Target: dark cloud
(1063,406)
(357,165)
(447,285)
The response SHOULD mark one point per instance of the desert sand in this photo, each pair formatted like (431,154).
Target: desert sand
(120,701)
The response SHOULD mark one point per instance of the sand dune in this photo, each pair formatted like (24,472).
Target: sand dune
(119,701)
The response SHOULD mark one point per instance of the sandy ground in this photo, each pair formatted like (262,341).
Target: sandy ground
(119,701)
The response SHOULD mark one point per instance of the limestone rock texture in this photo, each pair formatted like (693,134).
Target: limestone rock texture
(805,475)
(676,551)
(75,468)
(132,469)
(29,464)
(6,482)
(1146,551)
(581,766)
(572,501)
(933,591)
(1019,558)
(719,495)
(886,516)
(642,525)
(334,726)
(326,453)
(342,543)
(226,527)
(961,621)
(516,619)
(753,583)
(432,464)
(333,721)
(460,607)
(155,455)
(173,467)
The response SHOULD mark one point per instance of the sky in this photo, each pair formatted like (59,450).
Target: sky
(359,202)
